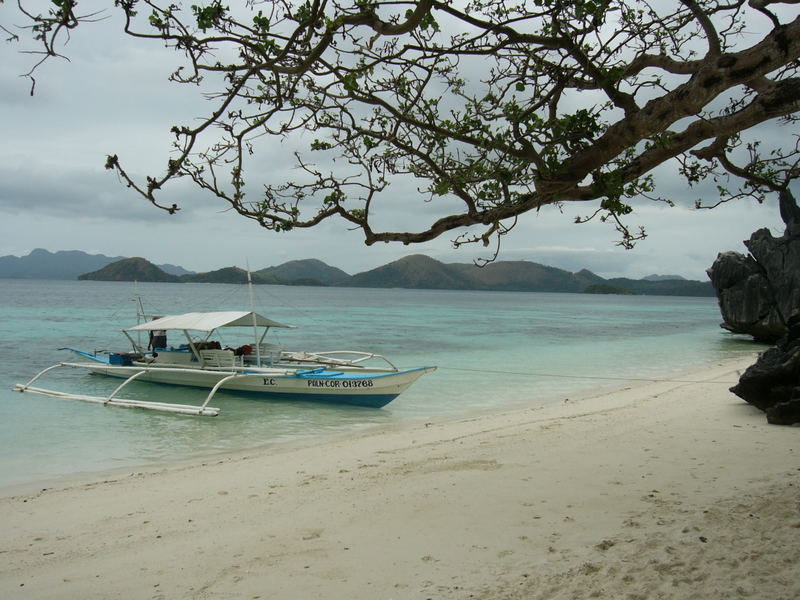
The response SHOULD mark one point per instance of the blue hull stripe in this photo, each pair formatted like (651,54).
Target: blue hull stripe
(371,401)
(94,357)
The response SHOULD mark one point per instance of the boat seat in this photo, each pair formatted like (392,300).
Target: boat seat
(218,358)
(270,353)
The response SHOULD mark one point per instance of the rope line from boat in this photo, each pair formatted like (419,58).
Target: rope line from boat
(589,377)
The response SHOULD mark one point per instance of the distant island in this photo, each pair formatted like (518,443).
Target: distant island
(412,272)
(65,264)
(416,272)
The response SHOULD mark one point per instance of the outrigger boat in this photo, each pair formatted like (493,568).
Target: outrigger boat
(342,377)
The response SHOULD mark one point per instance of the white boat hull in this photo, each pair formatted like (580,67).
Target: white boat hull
(365,388)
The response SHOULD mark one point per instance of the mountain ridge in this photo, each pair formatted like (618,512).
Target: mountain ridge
(63,264)
(421,272)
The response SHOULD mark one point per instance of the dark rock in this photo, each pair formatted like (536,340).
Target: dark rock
(785,413)
(773,382)
(757,293)
(790,213)
(745,298)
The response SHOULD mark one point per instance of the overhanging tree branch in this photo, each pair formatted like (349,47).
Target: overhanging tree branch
(503,108)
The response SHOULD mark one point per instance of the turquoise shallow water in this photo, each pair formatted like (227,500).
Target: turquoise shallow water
(495,351)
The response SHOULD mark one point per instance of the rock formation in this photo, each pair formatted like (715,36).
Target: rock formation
(757,293)
(773,382)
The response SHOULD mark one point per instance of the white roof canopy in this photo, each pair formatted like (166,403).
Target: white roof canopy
(207,321)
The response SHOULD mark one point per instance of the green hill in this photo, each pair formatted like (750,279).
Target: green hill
(521,276)
(130,269)
(414,272)
(422,272)
(309,271)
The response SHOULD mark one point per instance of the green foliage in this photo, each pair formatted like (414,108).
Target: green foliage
(350,81)
(428,21)
(594,9)
(441,187)
(261,24)
(367,6)
(695,172)
(304,13)
(578,129)
(157,21)
(335,197)
(321,145)
(209,16)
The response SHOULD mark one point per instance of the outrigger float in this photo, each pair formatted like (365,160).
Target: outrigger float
(342,377)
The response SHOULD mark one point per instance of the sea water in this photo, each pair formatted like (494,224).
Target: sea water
(495,351)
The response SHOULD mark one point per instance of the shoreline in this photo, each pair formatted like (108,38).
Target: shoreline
(607,386)
(657,489)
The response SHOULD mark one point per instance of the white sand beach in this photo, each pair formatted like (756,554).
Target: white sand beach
(661,490)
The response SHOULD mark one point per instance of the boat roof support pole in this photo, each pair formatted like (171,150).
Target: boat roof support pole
(136,347)
(191,345)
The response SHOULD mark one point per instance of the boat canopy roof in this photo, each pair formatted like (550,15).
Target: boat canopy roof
(207,321)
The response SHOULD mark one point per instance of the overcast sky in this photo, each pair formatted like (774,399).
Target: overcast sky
(113,97)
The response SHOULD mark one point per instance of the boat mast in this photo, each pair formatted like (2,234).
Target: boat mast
(253,314)
(140,316)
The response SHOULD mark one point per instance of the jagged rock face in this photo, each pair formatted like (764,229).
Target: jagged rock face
(758,293)
(773,382)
